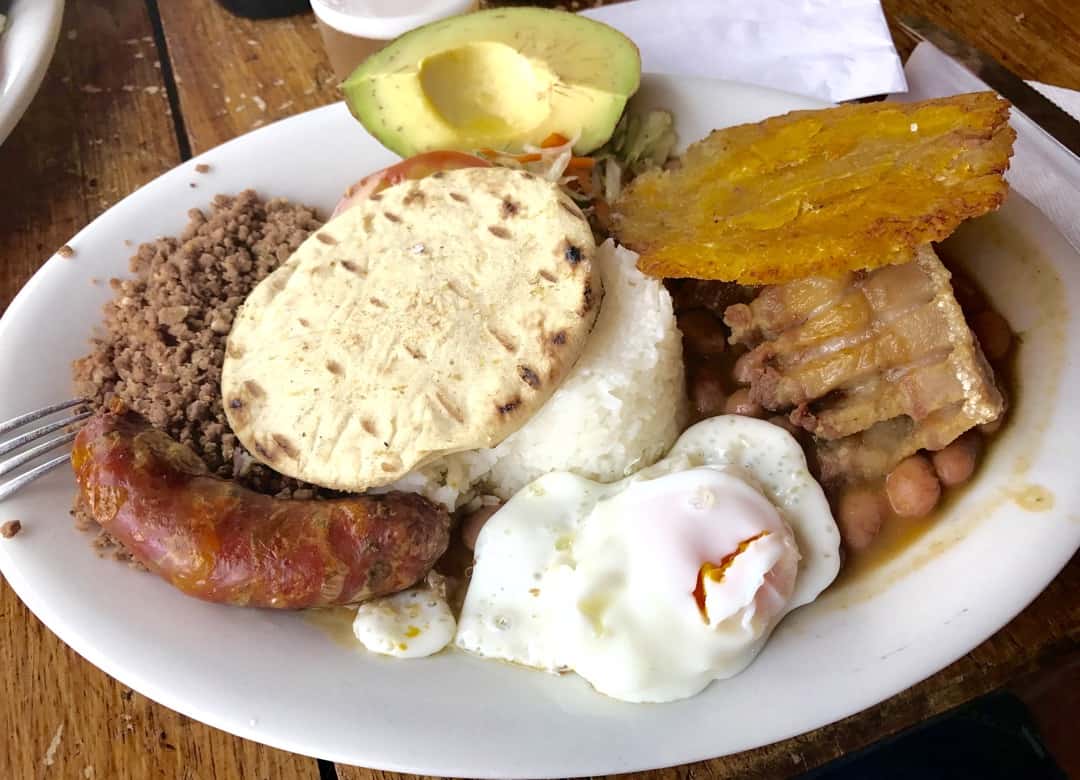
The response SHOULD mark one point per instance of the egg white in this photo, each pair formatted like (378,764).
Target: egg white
(411,624)
(559,584)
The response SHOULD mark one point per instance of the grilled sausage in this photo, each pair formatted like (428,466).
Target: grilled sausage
(217,541)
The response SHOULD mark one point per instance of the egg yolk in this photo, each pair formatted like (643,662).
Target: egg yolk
(716,572)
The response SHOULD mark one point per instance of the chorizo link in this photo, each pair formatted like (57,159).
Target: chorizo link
(220,542)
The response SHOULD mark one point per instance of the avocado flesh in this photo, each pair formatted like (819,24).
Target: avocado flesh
(501,78)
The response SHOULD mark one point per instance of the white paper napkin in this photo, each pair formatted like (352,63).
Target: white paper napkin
(1041,170)
(831,49)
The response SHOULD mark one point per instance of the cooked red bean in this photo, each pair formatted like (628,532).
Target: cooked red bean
(913,488)
(739,403)
(995,336)
(474,523)
(860,514)
(956,463)
(741,371)
(702,332)
(707,393)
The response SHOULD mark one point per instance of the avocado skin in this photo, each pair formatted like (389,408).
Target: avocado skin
(594,68)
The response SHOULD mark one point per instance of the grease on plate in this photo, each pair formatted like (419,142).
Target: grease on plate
(1033,498)
(337,624)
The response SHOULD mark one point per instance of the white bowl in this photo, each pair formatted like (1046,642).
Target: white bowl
(26,48)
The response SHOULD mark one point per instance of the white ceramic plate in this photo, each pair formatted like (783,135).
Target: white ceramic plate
(26,47)
(278,679)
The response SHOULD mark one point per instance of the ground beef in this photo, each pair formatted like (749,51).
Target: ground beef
(163,342)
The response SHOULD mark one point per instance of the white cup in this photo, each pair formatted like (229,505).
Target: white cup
(352,30)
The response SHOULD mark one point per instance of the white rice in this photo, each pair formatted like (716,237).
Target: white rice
(620,409)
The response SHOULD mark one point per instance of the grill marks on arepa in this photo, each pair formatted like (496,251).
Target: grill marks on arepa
(405,355)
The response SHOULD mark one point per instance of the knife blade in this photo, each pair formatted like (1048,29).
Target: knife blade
(1054,120)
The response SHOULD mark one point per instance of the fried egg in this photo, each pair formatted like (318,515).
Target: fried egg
(411,624)
(653,586)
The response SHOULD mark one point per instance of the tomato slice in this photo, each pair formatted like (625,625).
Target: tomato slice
(413,168)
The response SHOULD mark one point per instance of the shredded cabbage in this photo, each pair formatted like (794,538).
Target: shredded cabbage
(639,142)
(551,165)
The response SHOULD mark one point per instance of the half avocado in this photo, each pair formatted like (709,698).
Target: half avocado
(500,78)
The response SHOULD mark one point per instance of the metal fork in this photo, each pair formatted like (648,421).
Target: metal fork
(43,440)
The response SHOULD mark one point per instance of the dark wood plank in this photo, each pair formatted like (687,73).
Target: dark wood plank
(1052,696)
(64,718)
(275,68)
(98,130)
(1036,39)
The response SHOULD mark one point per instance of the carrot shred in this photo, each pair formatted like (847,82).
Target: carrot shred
(555,139)
(581,162)
(602,210)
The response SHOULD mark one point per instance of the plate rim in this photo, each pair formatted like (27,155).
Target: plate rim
(85,647)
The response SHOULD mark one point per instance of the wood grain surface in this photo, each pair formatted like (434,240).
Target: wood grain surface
(99,129)
(1036,39)
(276,69)
(96,131)
(103,125)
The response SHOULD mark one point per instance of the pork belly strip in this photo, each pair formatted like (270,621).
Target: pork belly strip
(875,451)
(783,306)
(846,355)
(783,379)
(915,392)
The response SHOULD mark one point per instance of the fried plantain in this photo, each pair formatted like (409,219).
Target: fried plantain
(820,192)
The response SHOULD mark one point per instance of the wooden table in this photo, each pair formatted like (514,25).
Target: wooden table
(130,94)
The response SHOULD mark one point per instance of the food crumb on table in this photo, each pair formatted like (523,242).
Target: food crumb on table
(10,528)
(65,251)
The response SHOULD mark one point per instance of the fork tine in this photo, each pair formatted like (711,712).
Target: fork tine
(22,480)
(15,461)
(23,419)
(37,433)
